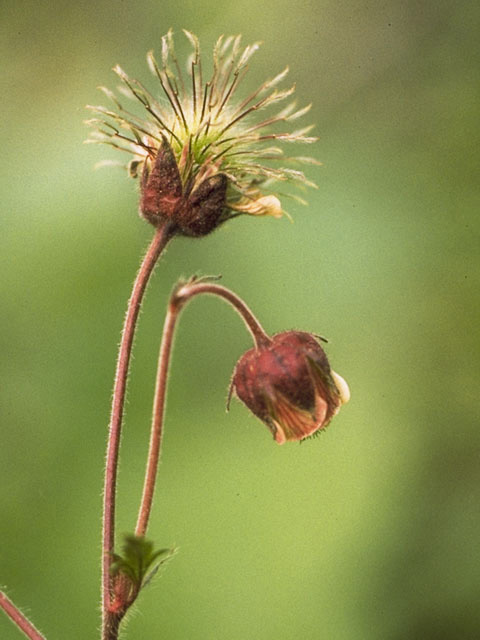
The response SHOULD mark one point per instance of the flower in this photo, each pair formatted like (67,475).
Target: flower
(201,156)
(289,385)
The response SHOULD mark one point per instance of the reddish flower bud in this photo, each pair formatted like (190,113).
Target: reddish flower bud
(289,385)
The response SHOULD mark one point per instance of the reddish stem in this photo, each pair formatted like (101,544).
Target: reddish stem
(19,619)
(159,241)
(179,298)
(187,292)
(157,421)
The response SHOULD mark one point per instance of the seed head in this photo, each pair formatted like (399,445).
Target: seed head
(203,154)
(289,385)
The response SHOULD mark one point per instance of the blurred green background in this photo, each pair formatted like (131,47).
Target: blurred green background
(370,531)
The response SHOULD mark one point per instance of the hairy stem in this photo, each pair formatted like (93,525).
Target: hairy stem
(157,245)
(112,627)
(157,421)
(22,622)
(179,298)
(190,290)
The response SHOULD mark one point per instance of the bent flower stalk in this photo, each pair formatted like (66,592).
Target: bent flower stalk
(201,155)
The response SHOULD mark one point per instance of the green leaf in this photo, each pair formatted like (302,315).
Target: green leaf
(138,560)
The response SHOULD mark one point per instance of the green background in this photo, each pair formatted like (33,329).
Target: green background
(368,532)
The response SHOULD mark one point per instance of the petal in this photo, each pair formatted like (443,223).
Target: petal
(295,424)
(342,386)
(263,206)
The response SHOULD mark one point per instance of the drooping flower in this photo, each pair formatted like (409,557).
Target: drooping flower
(201,154)
(289,384)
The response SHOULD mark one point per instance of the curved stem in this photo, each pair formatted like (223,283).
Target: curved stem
(157,245)
(19,619)
(179,298)
(190,290)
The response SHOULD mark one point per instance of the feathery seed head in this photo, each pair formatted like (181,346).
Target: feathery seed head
(202,156)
